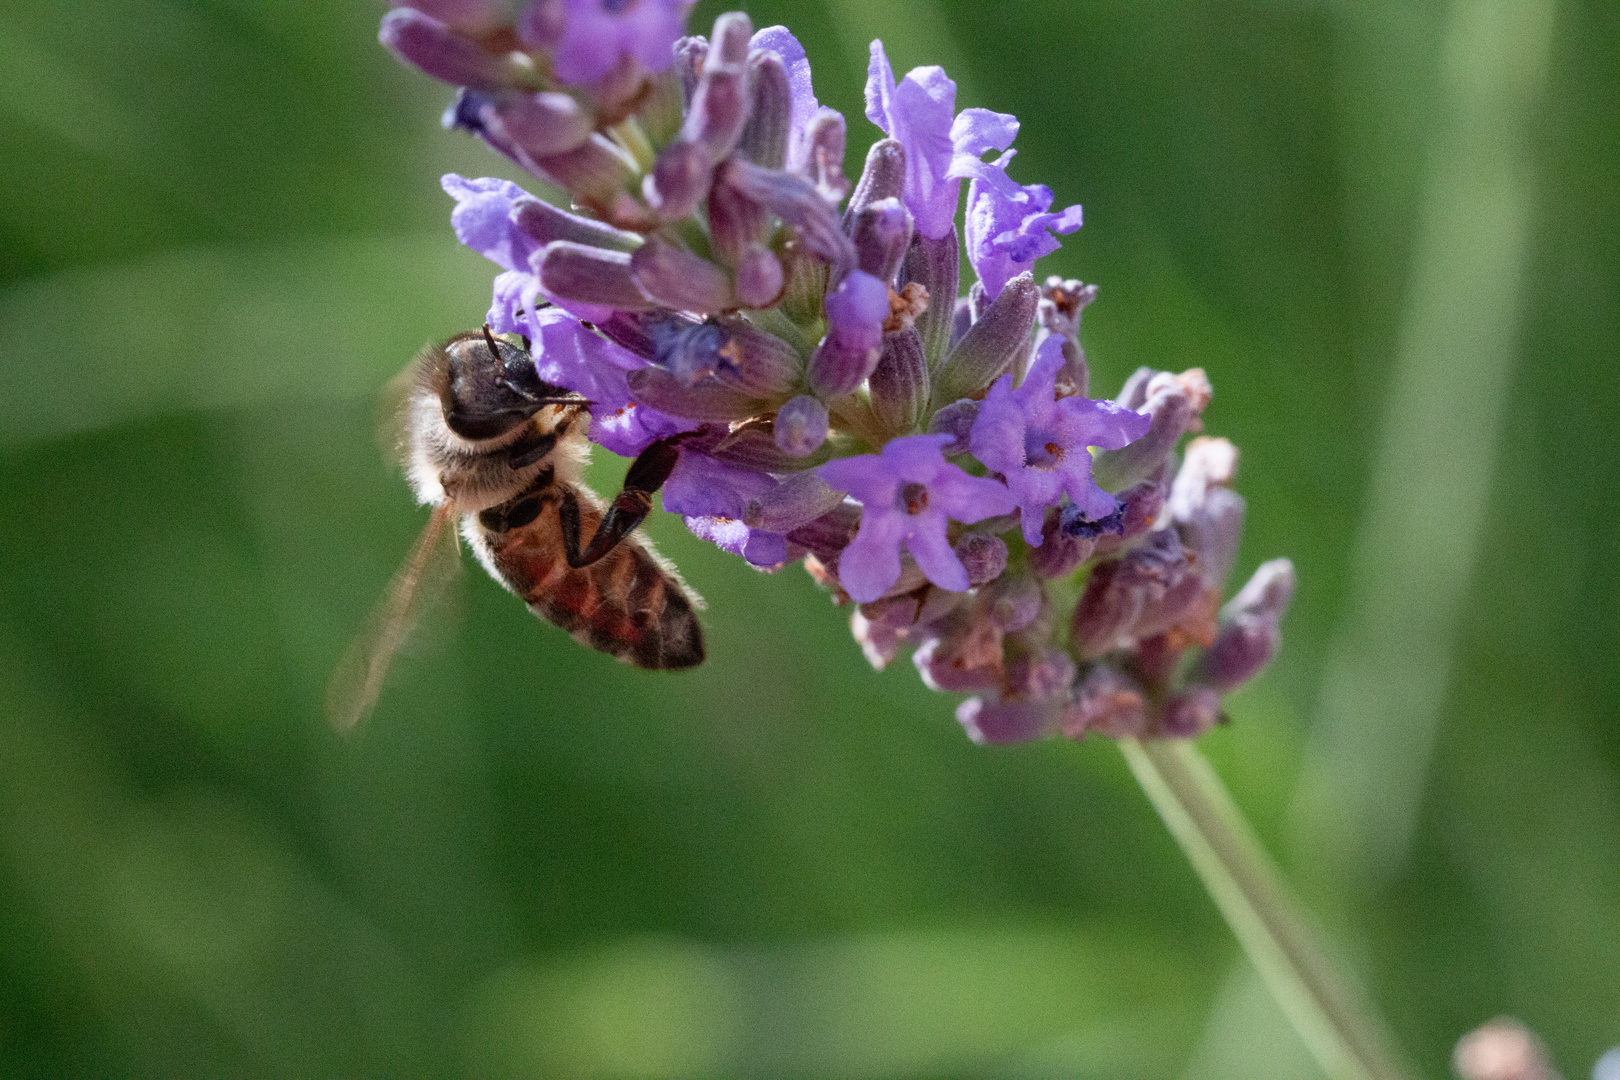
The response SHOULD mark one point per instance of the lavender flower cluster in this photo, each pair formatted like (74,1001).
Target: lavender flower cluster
(930,457)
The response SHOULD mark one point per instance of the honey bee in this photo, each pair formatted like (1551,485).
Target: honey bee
(490,446)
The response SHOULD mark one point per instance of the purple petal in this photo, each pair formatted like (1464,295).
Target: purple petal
(1040,384)
(934,554)
(765,549)
(871,562)
(969,498)
(482,219)
(879,86)
(1103,423)
(997,435)
(1035,490)
(727,534)
(514,293)
(1008,226)
(914,458)
(568,355)
(779,40)
(867,478)
(700,486)
(975,131)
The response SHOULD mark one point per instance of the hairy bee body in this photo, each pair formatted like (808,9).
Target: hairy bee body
(469,448)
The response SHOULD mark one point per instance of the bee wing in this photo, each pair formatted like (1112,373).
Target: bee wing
(358,678)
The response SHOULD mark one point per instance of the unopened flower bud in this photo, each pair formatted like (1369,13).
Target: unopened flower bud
(1044,674)
(998,722)
(588,275)
(991,344)
(801,426)
(759,277)
(935,265)
(679,180)
(880,627)
(823,156)
(1189,713)
(964,659)
(881,232)
(543,223)
(830,533)
(756,361)
(899,383)
(1133,395)
(983,556)
(540,125)
(1147,591)
(690,53)
(680,280)
(796,201)
(429,44)
(1207,514)
(846,356)
(1249,633)
(719,110)
(1014,601)
(1140,507)
(765,137)
(1108,703)
(736,222)
(595,171)
(1208,463)
(706,399)
(797,500)
(1213,530)
(1172,414)
(1062,301)
(884,176)
(1060,552)
(955,420)
(469,16)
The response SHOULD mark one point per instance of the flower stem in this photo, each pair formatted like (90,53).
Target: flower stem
(1336,1025)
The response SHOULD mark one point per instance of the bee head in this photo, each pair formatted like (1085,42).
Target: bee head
(490,386)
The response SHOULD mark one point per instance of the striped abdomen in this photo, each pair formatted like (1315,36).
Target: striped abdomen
(627,604)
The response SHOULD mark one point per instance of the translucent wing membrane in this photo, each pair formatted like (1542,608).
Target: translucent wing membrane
(431,564)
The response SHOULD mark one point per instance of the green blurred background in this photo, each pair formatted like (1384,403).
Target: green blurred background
(1389,235)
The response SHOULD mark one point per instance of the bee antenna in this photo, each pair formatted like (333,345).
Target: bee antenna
(489,339)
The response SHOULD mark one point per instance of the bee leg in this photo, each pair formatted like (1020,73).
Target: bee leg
(647,474)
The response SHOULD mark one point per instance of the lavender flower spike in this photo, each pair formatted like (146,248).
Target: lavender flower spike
(1040,444)
(941,148)
(1009,225)
(908,493)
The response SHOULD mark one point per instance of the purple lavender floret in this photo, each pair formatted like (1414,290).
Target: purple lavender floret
(588,37)
(1010,225)
(908,493)
(1041,443)
(567,354)
(941,146)
(483,221)
(817,362)
(712,498)
(806,108)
